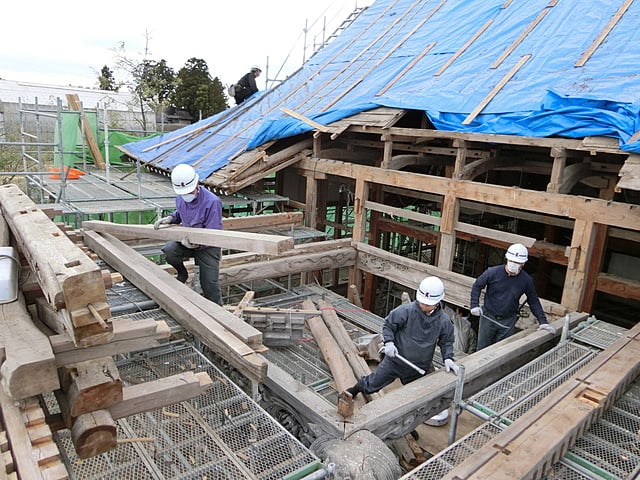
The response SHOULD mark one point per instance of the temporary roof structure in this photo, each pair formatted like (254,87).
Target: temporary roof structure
(540,68)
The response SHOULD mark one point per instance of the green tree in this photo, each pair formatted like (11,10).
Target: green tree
(154,83)
(106,80)
(196,92)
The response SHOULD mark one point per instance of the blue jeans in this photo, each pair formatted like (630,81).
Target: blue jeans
(493,328)
(207,258)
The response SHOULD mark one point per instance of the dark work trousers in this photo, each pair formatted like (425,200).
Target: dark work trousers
(388,370)
(495,328)
(208,259)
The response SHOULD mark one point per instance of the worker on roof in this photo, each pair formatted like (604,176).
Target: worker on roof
(196,207)
(411,333)
(247,86)
(505,284)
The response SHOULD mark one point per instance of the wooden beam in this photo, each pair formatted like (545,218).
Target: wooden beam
(567,206)
(128,336)
(91,385)
(70,280)
(618,286)
(245,241)
(308,121)
(267,220)
(281,267)
(178,300)
(28,367)
(148,396)
(25,463)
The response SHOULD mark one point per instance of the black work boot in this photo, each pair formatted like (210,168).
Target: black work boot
(353,391)
(182,275)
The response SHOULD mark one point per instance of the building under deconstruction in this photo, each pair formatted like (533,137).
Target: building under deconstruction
(423,140)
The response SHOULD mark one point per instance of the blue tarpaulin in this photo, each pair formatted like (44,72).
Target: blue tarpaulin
(536,69)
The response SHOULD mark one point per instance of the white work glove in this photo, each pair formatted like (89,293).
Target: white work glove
(547,327)
(476,311)
(451,365)
(162,221)
(187,244)
(390,349)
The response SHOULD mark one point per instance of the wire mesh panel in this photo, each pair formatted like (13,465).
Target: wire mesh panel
(222,434)
(561,362)
(598,333)
(445,461)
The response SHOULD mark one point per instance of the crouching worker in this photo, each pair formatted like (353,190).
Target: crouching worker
(412,330)
(196,207)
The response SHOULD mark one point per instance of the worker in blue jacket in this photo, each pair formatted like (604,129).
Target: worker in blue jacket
(412,330)
(196,207)
(505,284)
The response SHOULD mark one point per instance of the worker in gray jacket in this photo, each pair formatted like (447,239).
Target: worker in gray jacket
(412,330)
(505,284)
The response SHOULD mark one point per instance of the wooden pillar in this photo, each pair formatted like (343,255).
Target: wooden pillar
(359,226)
(461,157)
(557,172)
(387,152)
(587,240)
(447,244)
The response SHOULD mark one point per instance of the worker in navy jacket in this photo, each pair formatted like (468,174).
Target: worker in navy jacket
(505,284)
(196,207)
(412,330)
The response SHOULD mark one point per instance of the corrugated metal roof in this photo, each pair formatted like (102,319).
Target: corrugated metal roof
(47,95)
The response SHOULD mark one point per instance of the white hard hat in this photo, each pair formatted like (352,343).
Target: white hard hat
(184,179)
(517,253)
(430,291)
(255,67)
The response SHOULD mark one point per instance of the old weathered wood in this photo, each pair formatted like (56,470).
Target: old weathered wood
(68,278)
(245,302)
(148,396)
(94,433)
(538,439)
(279,267)
(178,300)
(25,464)
(29,367)
(342,338)
(246,241)
(257,222)
(342,373)
(129,336)
(91,385)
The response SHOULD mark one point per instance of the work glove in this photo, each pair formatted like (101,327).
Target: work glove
(187,244)
(162,221)
(547,327)
(476,311)
(451,365)
(390,349)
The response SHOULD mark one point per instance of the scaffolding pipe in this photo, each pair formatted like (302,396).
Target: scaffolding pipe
(456,407)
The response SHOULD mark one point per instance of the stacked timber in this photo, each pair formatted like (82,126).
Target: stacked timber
(67,348)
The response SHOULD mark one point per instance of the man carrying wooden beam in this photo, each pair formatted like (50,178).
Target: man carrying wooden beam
(196,207)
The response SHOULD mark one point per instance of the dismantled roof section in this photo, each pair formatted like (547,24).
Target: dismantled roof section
(538,68)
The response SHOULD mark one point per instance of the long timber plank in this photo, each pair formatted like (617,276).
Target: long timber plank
(177,299)
(246,241)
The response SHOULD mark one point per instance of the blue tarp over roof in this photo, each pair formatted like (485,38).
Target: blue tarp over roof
(446,58)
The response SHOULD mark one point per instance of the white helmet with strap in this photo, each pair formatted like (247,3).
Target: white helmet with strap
(430,291)
(517,253)
(184,179)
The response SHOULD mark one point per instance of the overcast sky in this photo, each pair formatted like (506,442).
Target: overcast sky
(67,43)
